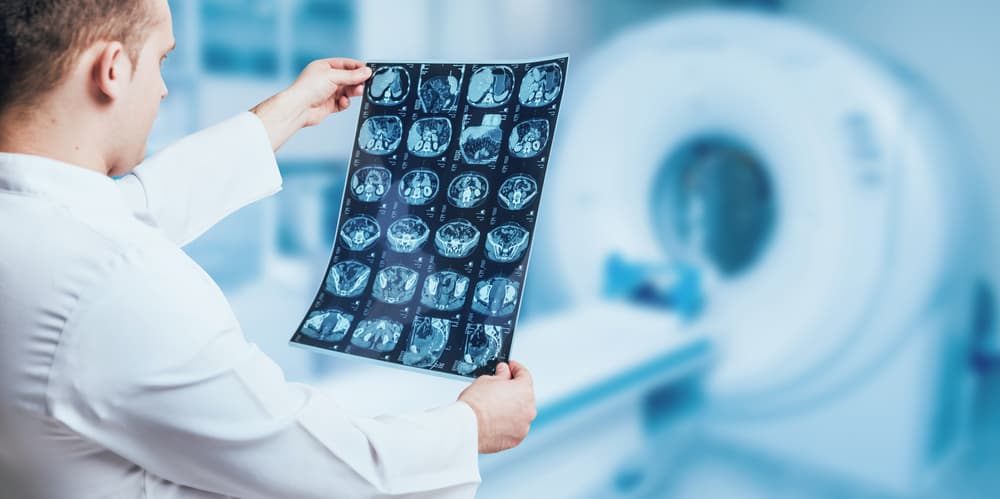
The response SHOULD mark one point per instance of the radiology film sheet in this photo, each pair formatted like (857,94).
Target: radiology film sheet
(438,215)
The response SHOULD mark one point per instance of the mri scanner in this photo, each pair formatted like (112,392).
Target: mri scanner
(818,196)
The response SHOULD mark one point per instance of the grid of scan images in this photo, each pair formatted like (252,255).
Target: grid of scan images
(438,215)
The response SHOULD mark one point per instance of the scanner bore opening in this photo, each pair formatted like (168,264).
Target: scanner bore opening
(714,203)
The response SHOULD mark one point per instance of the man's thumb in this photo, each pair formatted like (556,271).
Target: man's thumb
(503,370)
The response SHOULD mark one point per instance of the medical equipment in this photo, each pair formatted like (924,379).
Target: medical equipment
(824,201)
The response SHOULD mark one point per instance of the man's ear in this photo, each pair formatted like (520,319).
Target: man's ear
(112,71)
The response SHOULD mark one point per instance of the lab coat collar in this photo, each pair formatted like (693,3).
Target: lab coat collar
(74,187)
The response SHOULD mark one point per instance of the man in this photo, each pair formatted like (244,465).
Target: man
(123,372)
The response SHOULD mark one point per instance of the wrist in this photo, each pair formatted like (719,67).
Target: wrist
(281,116)
(480,421)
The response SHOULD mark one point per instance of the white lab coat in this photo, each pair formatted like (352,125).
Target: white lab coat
(123,372)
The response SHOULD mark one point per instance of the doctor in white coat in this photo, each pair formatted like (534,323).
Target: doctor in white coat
(123,372)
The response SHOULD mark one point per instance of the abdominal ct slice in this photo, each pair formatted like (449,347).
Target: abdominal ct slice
(419,187)
(327,325)
(348,278)
(507,242)
(429,137)
(407,234)
(491,86)
(482,345)
(445,290)
(395,284)
(517,192)
(456,239)
(389,86)
(495,297)
(427,341)
(380,335)
(541,85)
(380,135)
(468,190)
(439,94)
(369,184)
(360,233)
(481,144)
(529,138)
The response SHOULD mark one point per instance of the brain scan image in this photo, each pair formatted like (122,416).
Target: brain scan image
(380,135)
(360,232)
(427,341)
(429,137)
(456,239)
(419,187)
(407,234)
(490,86)
(380,335)
(506,243)
(348,278)
(529,138)
(517,192)
(480,145)
(482,344)
(370,183)
(495,297)
(439,94)
(541,85)
(327,325)
(395,284)
(445,290)
(468,190)
(389,86)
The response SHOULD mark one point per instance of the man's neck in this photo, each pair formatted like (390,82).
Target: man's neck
(39,132)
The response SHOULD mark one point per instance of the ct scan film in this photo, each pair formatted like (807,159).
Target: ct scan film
(438,215)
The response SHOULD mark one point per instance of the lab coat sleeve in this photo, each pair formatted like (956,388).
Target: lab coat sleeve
(199,180)
(155,368)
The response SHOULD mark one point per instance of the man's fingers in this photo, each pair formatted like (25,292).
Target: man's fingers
(355,91)
(503,371)
(350,77)
(347,91)
(343,63)
(518,371)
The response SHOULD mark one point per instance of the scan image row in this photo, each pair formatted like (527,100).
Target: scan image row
(419,187)
(455,239)
(427,340)
(489,87)
(444,290)
(430,137)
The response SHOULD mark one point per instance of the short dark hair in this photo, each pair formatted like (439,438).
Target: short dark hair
(40,40)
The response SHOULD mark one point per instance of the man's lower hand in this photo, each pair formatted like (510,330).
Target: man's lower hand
(504,405)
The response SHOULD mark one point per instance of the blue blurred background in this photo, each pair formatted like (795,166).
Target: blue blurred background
(764,263)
